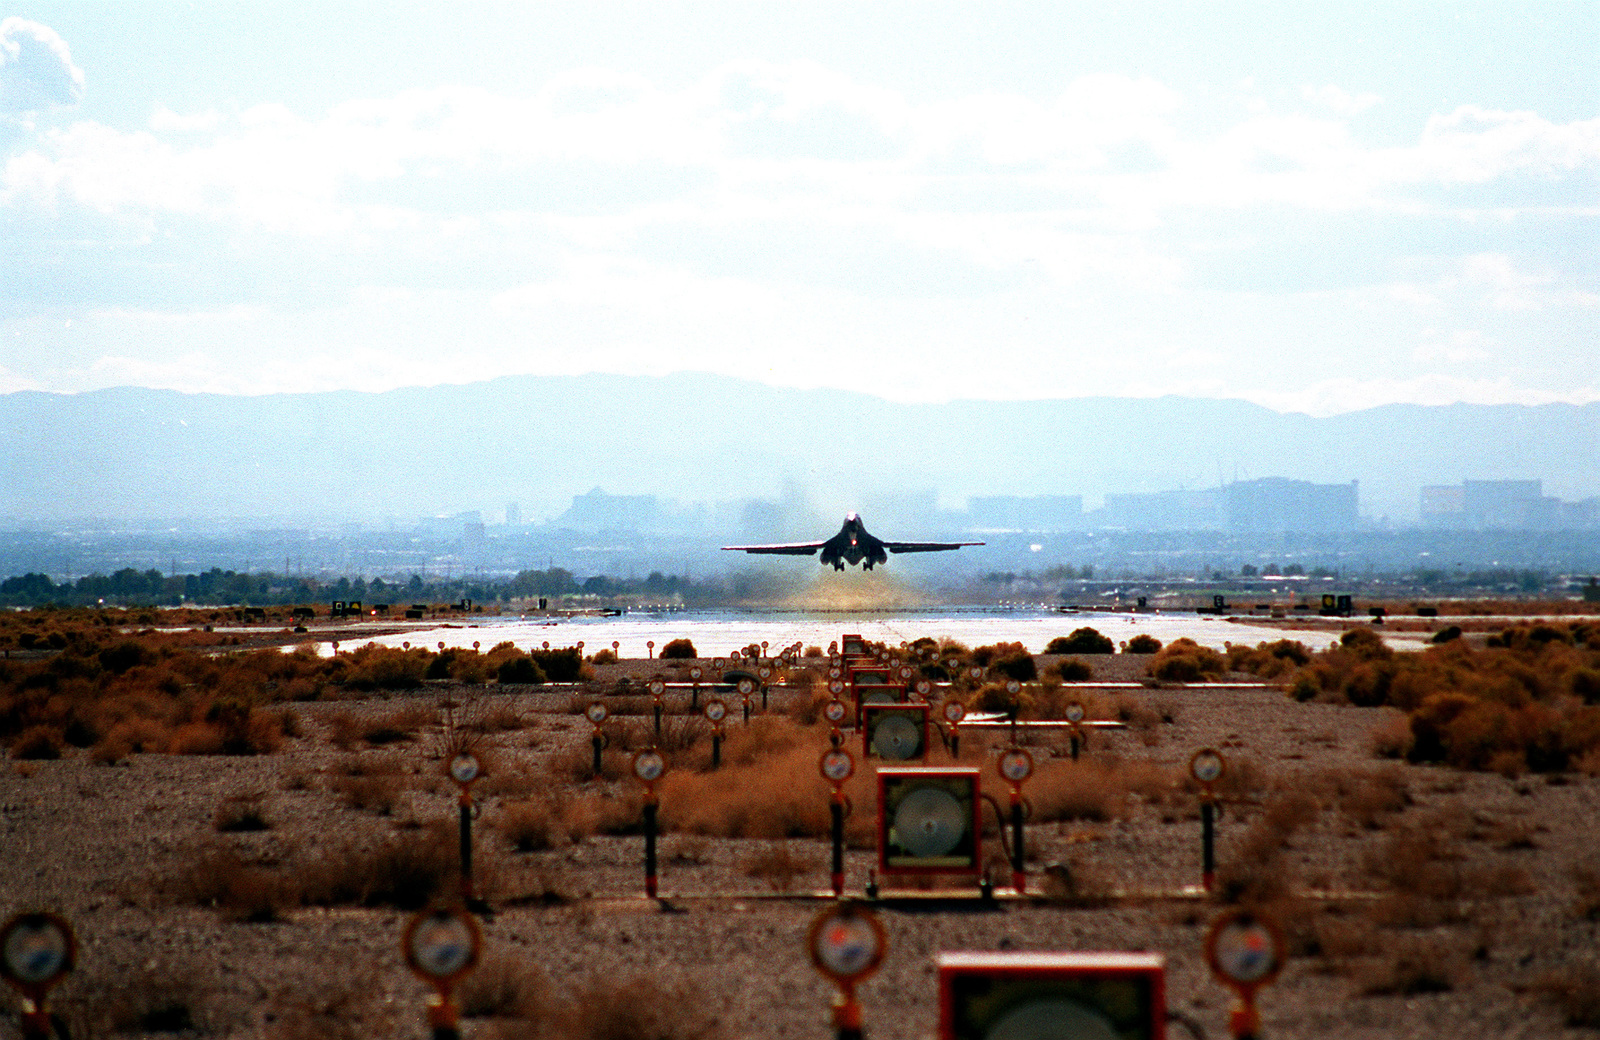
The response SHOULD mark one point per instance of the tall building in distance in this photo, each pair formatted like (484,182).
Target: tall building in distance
(1503,505)
(1281,504)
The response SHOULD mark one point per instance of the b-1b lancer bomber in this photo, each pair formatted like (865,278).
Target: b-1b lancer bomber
(851,545)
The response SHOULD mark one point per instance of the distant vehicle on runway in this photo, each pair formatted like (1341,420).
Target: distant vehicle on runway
(851,545)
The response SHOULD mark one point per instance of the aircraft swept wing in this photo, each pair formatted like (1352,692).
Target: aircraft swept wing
(853,544)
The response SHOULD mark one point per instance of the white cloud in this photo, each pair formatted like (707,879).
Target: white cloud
(1474,145)
(36,69)
(828,228)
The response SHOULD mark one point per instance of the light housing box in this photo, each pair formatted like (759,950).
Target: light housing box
(928,820)
(894,732)
(1018,995)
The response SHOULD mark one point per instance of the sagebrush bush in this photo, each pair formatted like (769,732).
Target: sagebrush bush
(1084,640)
(520,669)
(1184,660)
(1142,644)
(779,866)
(1070,669)
(679,650)
(1093,789)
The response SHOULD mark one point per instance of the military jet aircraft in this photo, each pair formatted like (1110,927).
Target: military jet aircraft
(851,545)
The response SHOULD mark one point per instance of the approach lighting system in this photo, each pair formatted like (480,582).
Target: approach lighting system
(836,766)
(1015,765)
(464,768)
(442,945)
(1245,951)
(37,950)
(1051,996)
(894,732)
(928,820)
(648,765)
(846,944)
(1208,766)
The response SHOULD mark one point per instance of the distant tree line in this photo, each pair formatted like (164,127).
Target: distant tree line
(131,587)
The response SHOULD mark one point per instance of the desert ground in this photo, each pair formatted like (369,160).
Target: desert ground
(264,895)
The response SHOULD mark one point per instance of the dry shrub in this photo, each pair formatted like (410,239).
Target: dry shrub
(679,733)
(585,815)
(1094,789)
(506,985)
(1082,641)
(778,795)
(779,866)
(1586,886)
(372,783)
(1070,669)
(340,1002)
(1184,660)
(1392,737)
(498,717)
(1421,865)
(39,743)
(147,998)
(678,650)
(640,1008)
(404,872)
(130,736)
(1411,965)
(575,765)
(1576,991)
(195,738)
(626,1008)
(240,891)
(1269,660)
(240,813)
(346,729)
(539,823)
(1341,938)
(1076,882)
(239,730)
(1369,798)
(806,709)
(765,737)
(1258,873)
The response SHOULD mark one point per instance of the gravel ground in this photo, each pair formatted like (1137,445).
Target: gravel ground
(102,843)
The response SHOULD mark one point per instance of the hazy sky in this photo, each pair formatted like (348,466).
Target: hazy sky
(1317,206)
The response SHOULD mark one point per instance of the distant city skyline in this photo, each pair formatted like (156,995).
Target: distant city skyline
(1312,207)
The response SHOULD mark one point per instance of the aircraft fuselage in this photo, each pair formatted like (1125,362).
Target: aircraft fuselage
(853,545)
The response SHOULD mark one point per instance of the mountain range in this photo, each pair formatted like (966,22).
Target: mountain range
(136,453)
